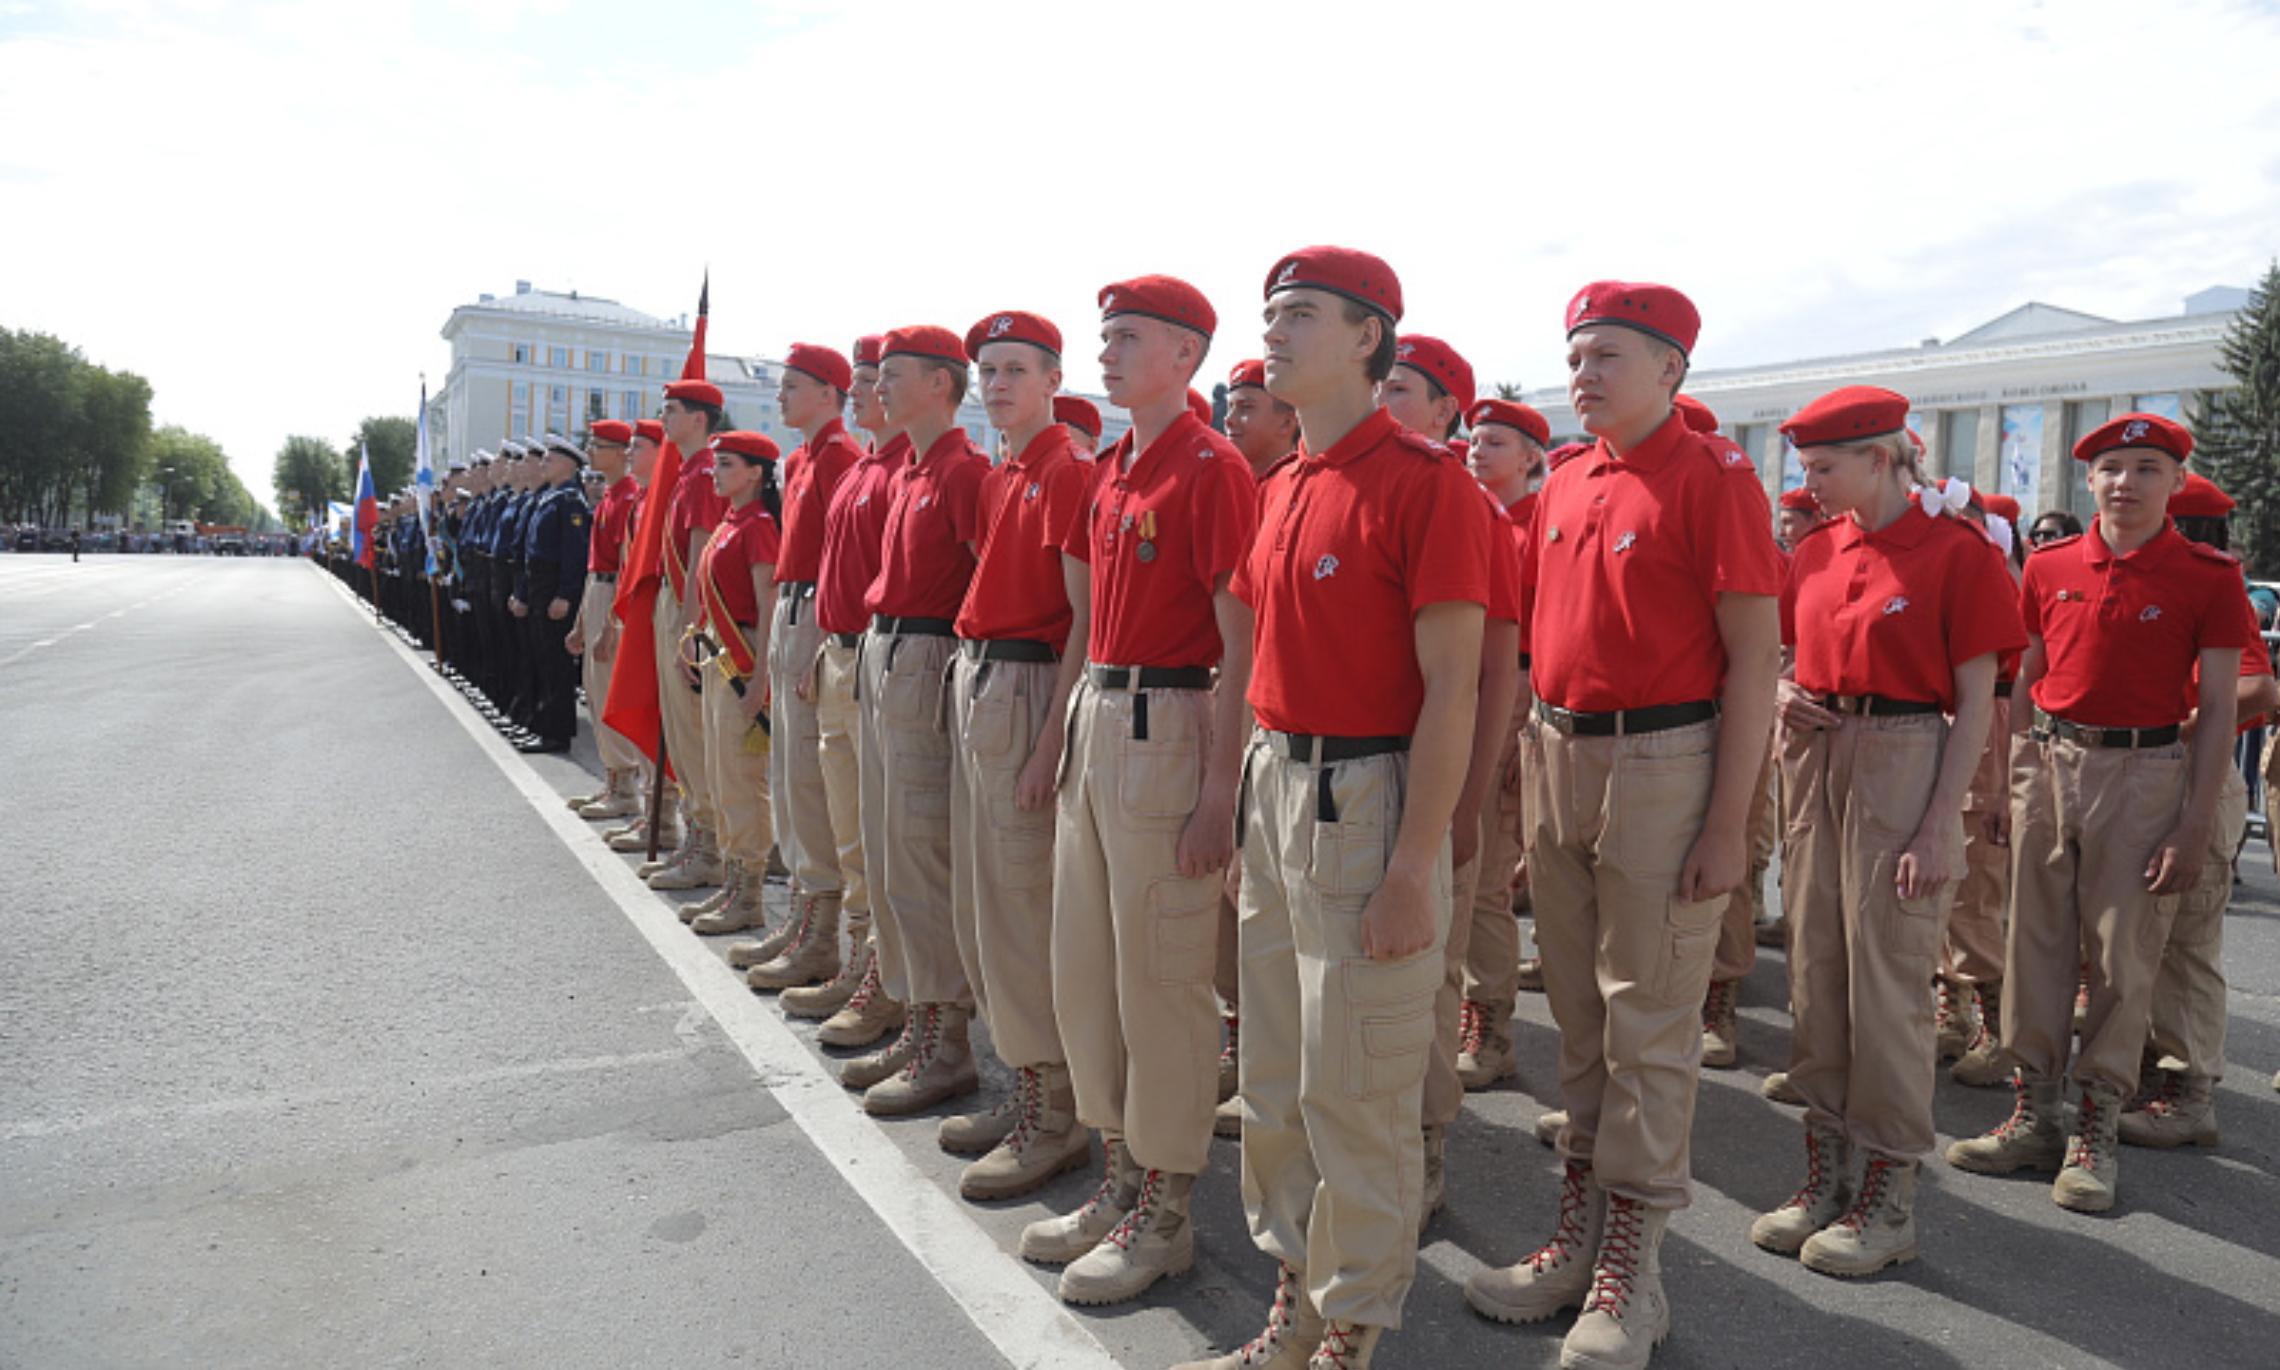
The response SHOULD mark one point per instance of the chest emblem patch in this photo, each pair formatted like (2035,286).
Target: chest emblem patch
(1626,542)
(1030,493)
(1896,604)
(1326,568)
(2152,612)
(926,501)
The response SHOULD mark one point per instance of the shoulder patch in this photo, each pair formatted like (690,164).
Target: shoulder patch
(2208,553)
(1418,442)
(2033,551)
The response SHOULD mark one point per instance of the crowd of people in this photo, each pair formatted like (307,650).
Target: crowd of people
(1209,770)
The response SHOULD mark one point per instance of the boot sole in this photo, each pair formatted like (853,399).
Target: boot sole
(778,986)
(814,1012)
(1896,1258)
(2083,1203)
(971,1146)
(919,1103)
(849,1041)
(1513,1317)
(1170,1272)
(1978,1167)
(1074,1161)
(1569,1361)
(2209,1139)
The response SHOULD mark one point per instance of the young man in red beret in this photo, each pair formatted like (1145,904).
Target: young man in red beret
(855,1005)
(1798,515)
(1263,427)
(1146,818)
(692,413)
(1078,415)
(1009,696)
(1352,779)
(1654,643)
(810,395)
(2111,815)
(1427,390)
(593,636)
(926,560)
(1506,455)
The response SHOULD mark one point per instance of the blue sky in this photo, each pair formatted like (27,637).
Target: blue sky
(271,209)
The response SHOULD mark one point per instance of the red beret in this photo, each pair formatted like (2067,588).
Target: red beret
(1564,453)
(2136,430)
(1160,297)
(1655,310)
(1432,357)
(614,431)
(923,340)
(1360,277)
(1999,504)
(1014,326)
(757,446)
(1252,372)
(1511,415)
(823,363)
(1800,499)
(1700,418)
(2200,499)
(1199,406)
(867,349)
(650,429)
(1847,414)
(1077,412)
(695,392)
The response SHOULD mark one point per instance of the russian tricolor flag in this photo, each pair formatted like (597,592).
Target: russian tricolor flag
(367,507)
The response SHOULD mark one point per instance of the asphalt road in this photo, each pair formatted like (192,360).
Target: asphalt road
(322,1042)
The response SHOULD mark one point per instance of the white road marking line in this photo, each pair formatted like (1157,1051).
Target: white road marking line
(1027,1325)
(15,657)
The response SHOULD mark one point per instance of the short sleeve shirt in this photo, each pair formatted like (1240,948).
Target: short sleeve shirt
(1353,542)
(696,505)
(2122,634)
(1630,555)
(1158,537)
(853,526)
(1521,513)
(1895,611)
(811,473)
(933,513)
(613,523)
(747,538)
(1029,508)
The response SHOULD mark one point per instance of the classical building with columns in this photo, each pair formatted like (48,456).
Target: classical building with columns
(2001,405)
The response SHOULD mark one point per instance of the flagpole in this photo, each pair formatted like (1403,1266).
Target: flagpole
(657,795)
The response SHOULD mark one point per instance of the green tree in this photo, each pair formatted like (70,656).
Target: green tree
(308,473)
(114,449)
(191,473)
(394,444)
(40,382)
(2237,431)
(1509,390)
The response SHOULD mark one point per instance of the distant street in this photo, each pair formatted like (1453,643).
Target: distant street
(328,1037)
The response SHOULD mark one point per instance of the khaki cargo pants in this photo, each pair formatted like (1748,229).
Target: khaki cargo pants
(618,751)
(905,749)
(738,775)
(804,833)
(682,714)
(2188,1023)
(1001,856)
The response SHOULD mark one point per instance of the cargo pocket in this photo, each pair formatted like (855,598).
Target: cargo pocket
(989,723)
(1024,843)
(1183,917)
(1656,806)
(1689,937)
(1390,1007)
(1161,756)
(909,694)
(1354,812)
(1911,927)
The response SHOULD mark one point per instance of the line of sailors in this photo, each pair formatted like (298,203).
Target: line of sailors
(1203,770)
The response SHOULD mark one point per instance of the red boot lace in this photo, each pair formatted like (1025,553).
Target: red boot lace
(1950,1007)
(928,1017)
(1718,1003)
(1228,1053)
(1816,1178)
(1872,1184)
(2081,1153)
(1472,1028)
(870,988)
(2164,1100)
(1568,1234)
(1143,1210)
(1262,1348)
(1339,1341)
(2018,1122)
(1028,1105)
(1107,1191)
(1617,1269)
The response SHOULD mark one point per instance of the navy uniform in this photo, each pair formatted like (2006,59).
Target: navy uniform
(551,583)
(520,685)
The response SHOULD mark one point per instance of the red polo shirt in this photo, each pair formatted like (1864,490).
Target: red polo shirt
(933,511)
(745,539)
(695,505)
(853,527)
(2122,634)
(613,521)
(1192,502)
(1629,556)
(1029,507)
(1352,543)
(1521,514)
(811,473)
(1894,612)
(1503,558)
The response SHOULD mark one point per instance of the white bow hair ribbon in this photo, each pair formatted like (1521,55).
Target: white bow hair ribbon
(2000,530)
(1951,498)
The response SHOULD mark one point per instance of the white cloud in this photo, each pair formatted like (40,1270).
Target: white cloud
(270,210)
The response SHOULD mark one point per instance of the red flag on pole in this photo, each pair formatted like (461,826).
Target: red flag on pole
(632,709)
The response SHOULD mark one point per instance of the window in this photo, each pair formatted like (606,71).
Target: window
(521,353)
(2082,417)
(633,365)
(518,422)
(594,401)
(597,361)
(1749,437)
(521,395)
(2169,404)
(2020,475)
(558,357)
(629,406)
(1959,443)
(1792,470)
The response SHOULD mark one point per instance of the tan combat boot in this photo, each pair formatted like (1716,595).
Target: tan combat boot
(1557,1275)
(1293,1333)
(1227,1119)
(979,1132)
(1548,1125)
(634,837)
(2183,1112)
(697,868)
(1878,1230)
(1045,1142)
(1230,1075)
(670,855)
(1777,1088)
(868,1015)
(1626,1315)
(2031,1138)
(1531,975)
(866,1071)
(774,941)
(1057,1241)
(828,998)
(1952,1027)
(577,803)
(1436,1195)
(1485,1051)
(814,953)
(1154,1240)
(1719,1045)
(2093,1169)
(719,899)
(740,911)
(1824,1197)
(940,1068)
(1981,1065)
(1345,1346)
(616,800)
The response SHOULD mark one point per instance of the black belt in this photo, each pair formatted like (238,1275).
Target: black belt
(850,641)
(1006,649)
(1150,677)
(798,589)
(606,577)
(1308,747)
(2047,727)
(1627,722)
(1877,706)
(2003,688)
(913,627)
